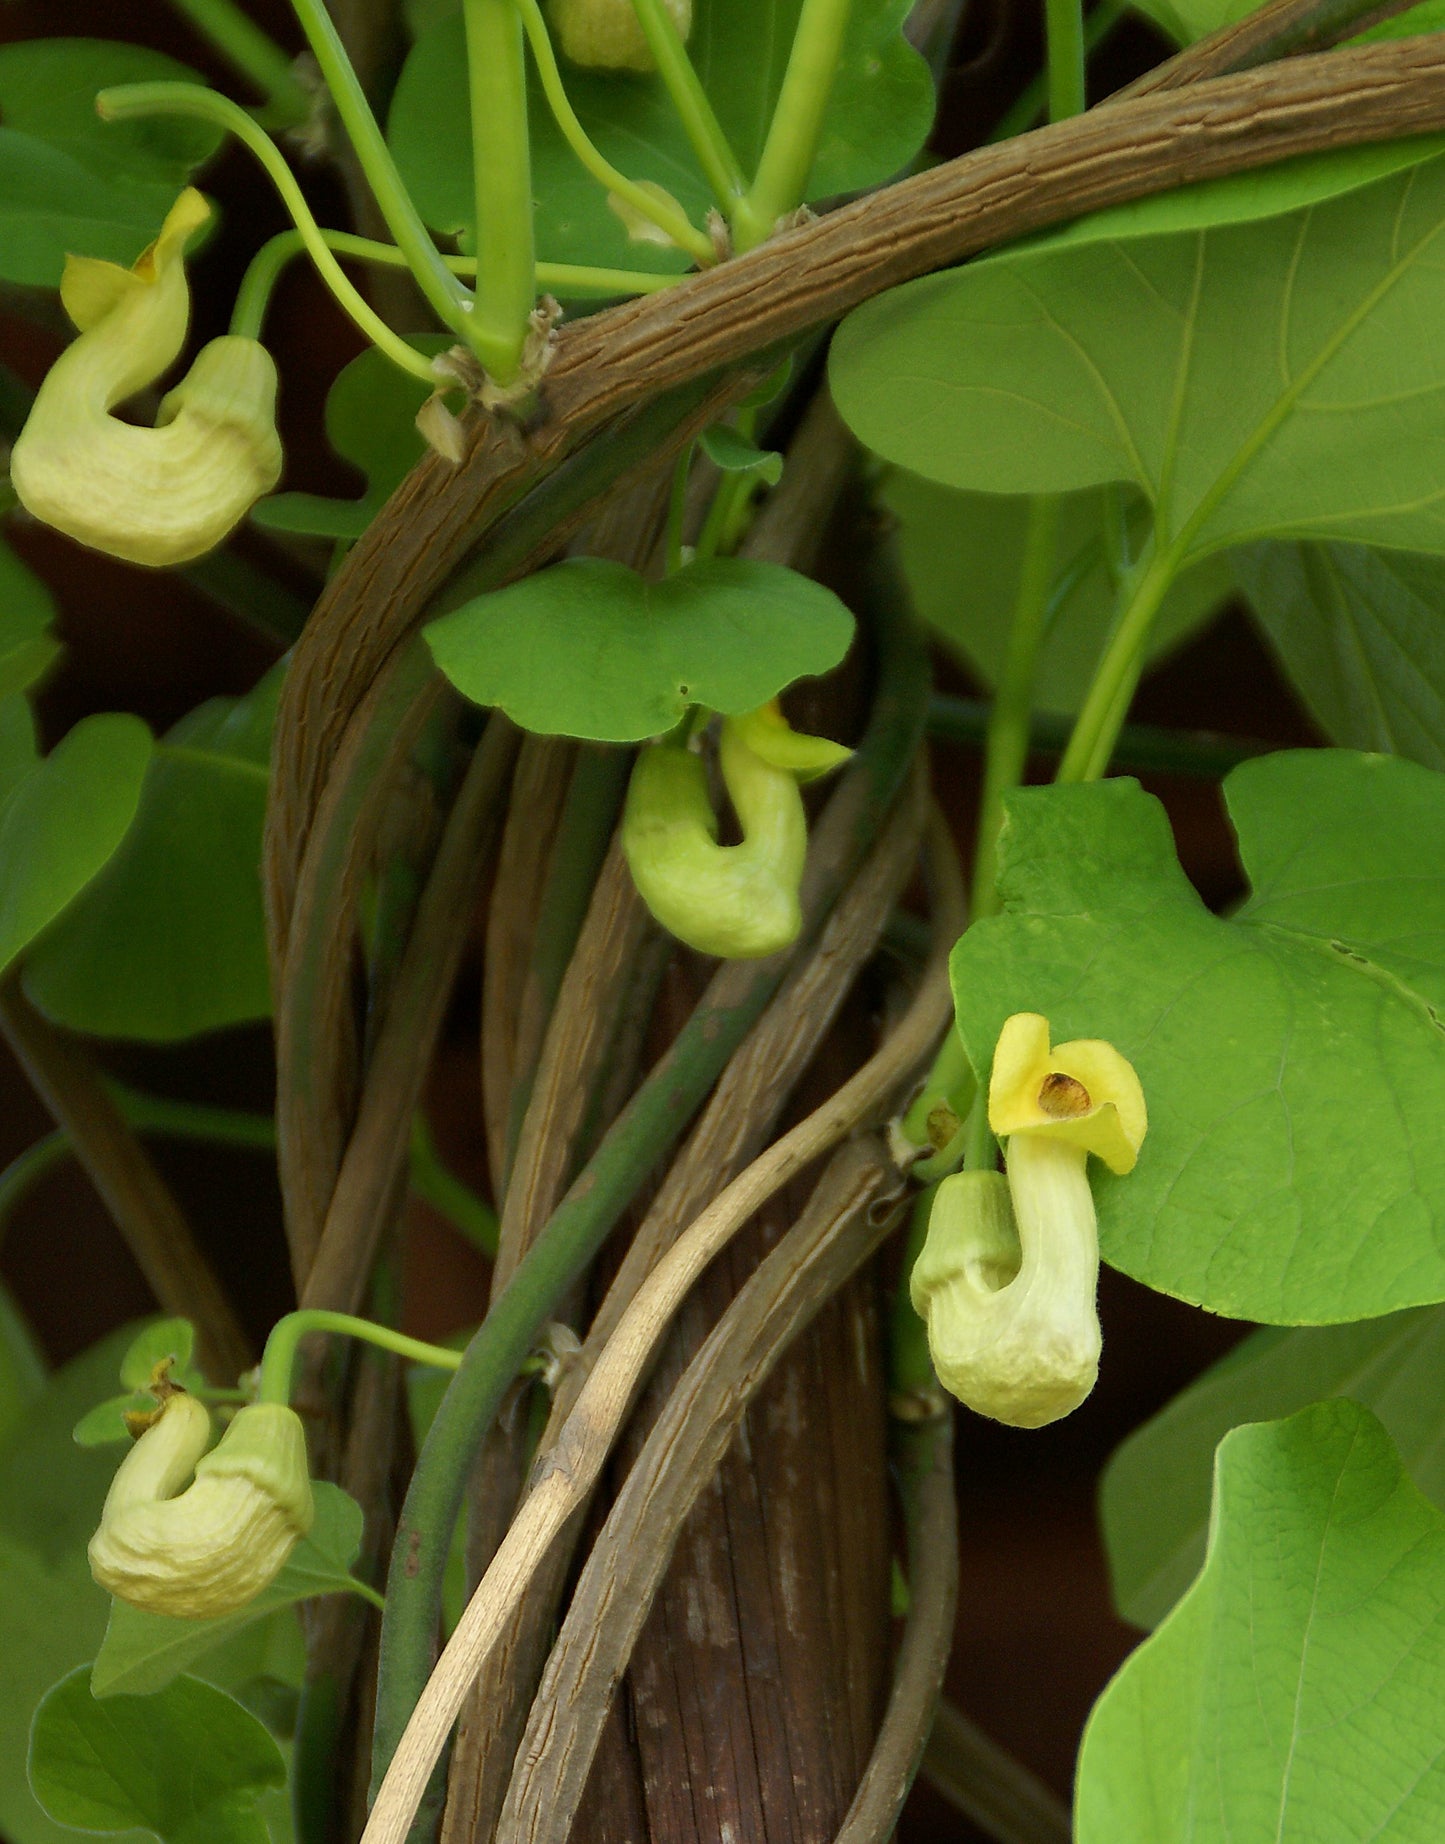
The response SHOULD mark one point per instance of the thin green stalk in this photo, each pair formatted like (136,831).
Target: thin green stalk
(979,1150)
(1203,755)
(1033,100)
(727,515)
(267,607)
(458,1203)
(278,1361)
(655,207)
(677,510)
(190,1120)
(579,1226)
(449,300)
(780,185)
(246,48)
(258,284)
(699,120)
(912,1387)
(502,186)
(1006,746)
(1107,703)
(27,1168)
(129,100)
(1064,32)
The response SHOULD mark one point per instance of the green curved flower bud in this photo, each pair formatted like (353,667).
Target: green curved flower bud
(152,496)
(204,1549)
(769,734)
(605,34)
(737,901)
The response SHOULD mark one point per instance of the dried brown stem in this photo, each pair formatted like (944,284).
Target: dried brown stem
(368,1186)
(137,1197)
(927,1640)
(851,1209)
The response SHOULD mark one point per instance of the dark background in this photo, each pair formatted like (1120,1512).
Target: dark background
(1037,1637)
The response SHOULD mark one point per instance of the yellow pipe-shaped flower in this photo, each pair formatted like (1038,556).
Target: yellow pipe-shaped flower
(737,901)
(605,34)
(1008,1277)
(205,1548)
(152,496)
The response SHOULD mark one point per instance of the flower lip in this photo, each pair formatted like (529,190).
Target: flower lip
(1083,1092)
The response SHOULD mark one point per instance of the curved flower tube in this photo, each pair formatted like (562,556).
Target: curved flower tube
(737,901)
(605,34)
(1008,1277)
(152,496)
(207,1548)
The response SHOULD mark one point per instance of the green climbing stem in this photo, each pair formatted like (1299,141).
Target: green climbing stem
(449,300)
(1107,703)
(506,289)
(655,207)
(1064,35)
(780,185)
(696,113)
(247,49)
(278,1361)
(130,100)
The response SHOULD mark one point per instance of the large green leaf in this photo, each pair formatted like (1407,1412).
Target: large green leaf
(170,938)
(61,818)
(1361,633)
(590,648)
(1154,1499)
(52,1615)
(1292,1058)
(185,1764)
(879,115)
(963,555)
(72,184)
(1294,1694)
(26,614)
(1275,378)
(371,422)
(142,1651)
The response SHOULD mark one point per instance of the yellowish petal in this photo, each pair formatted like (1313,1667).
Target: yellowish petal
(1083,1093)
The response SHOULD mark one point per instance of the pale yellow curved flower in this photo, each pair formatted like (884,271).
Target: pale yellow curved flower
(152,496)
(209,1547)
(1008,1278)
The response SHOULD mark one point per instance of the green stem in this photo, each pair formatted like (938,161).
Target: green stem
(792,144)
(1064,32)
(190,99)
(561,1254)
(677,511)
(1203,755)
(245,47)
(1107,703)
(911,1383)
(449,300)
(264,271)
(278,1361)
(657,209)
(1006,746)
(727,515)
(190,1120)
(458,1203)
(502,186)
(699,120)
(1033,100)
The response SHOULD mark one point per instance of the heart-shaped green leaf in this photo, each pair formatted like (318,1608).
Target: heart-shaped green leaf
(62,817)
(963,555)
(1294,1692)
(1154,1500)
(170,939)
(1252,379)
(186,1763)
(1359,632)
(878,117)
(70,182)
(1292,1058)
(170,1340)
(142,1652)
(590,648)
